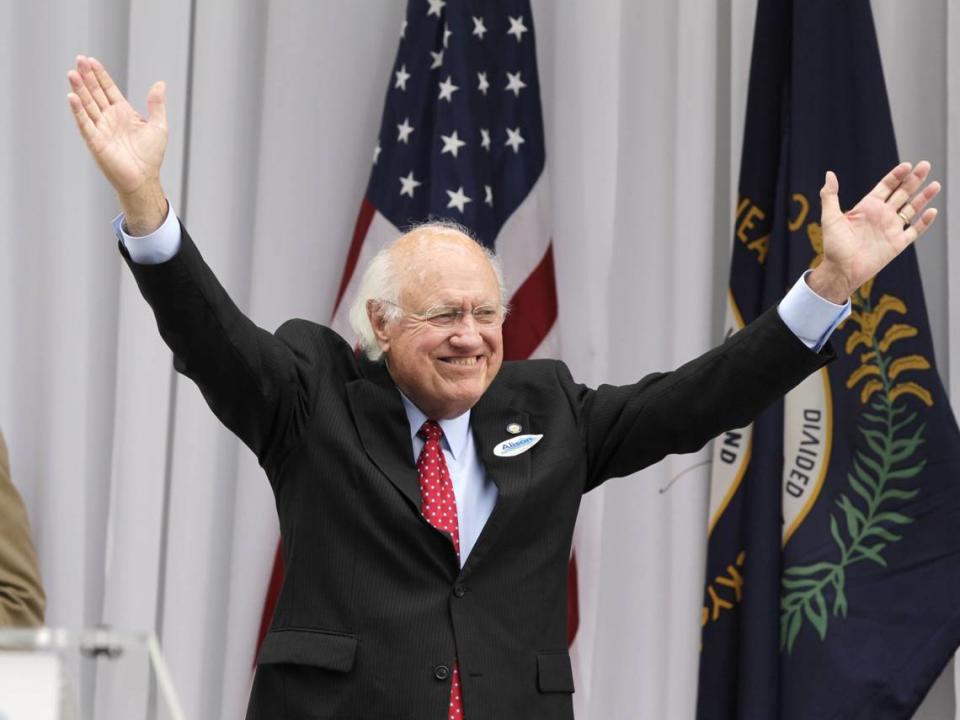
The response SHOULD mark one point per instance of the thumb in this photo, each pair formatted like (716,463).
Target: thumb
(829,199)
(156,104)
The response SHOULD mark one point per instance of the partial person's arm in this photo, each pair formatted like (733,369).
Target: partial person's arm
(22,599)
(257,383)
(628,427)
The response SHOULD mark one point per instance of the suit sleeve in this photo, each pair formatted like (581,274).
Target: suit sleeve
(21,595)
(626,428)
(257,383)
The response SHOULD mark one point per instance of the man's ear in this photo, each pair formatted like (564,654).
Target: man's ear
(378,322)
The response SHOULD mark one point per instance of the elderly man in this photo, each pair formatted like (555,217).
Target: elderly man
(21,594)
(427,491)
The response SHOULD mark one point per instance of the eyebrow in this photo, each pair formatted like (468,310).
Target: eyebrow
(460,306)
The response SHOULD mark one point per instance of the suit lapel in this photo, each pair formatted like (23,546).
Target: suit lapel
(384,431)
(511,475)
(382,423)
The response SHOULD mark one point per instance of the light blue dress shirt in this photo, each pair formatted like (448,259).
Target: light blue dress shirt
(809,316)
(474,491)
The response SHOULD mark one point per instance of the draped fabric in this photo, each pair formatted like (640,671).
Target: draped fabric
(148,515)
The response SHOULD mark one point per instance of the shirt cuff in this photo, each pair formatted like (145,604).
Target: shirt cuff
(155,248)
(809,316)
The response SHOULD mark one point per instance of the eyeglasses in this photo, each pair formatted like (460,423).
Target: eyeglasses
(448,316)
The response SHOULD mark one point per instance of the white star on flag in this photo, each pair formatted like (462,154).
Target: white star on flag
(485,139)
(435,7)
(447,89)
(514,83)
(483,83)
(437,59)
(402,77)
(403,29)
(514,139)
(517,27)
(447,32)
(451,143)
(404,131)
(376,153)
(478,27)
(408,184)
(457,199)
(488,195)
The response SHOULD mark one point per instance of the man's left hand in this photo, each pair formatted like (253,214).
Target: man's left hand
(859,243)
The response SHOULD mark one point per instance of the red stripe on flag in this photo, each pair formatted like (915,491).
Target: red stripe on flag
(573,601)
(533,310)
(364,218)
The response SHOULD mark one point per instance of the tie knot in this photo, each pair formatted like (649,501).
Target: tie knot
(430,430)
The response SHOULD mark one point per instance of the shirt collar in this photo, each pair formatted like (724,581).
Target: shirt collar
(454,430)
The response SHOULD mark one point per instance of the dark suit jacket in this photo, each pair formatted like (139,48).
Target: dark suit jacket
(374,608)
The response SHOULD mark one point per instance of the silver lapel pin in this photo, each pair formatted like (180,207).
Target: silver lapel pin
(514,428)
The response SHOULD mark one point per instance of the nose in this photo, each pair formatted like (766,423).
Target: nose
(467,332)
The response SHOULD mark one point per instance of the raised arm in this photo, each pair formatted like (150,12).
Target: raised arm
(257,383)
(629,427)
(127,148)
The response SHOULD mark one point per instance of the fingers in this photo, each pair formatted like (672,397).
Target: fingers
(915,207)
(83,94)
(920,226)
(829,199)
(156,104)
(86,126)
(97,91)
(110,89)
(909,185)
(85,68)
(891,181)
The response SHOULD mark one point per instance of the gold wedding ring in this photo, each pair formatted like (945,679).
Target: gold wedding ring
(906,220)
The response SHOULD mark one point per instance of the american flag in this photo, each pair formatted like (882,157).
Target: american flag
(462,138)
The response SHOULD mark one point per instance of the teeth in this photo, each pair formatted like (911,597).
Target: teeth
(462,361)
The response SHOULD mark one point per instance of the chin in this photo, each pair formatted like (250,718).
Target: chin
(467,396)
(461,399)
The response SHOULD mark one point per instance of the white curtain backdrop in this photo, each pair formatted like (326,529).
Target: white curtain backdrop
(148,515)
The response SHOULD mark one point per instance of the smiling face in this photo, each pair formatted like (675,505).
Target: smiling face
(443,370)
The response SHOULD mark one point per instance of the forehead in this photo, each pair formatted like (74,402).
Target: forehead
(445,270)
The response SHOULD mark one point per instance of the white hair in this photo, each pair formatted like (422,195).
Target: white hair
(382,281)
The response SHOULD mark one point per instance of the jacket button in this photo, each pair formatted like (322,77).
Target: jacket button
(459,590)
(441,672)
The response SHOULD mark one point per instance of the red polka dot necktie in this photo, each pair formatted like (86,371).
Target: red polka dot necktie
(439,508)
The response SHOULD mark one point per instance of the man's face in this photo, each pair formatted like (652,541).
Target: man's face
(443,370)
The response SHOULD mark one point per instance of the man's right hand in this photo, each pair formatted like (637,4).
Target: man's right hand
(128,149)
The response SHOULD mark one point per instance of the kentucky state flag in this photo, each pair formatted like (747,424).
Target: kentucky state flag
(833,573)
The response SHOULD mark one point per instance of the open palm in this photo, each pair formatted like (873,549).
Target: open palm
(127,148)
(860,242)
